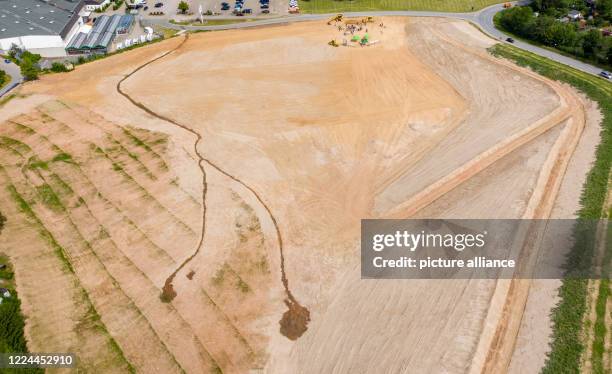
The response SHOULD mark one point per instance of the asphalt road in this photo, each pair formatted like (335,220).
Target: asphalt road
(482,18)
(13,71)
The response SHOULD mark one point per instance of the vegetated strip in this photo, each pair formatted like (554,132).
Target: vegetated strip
(61,253)
(567,345)
(58,205)
(131,223)
(124,148)
(331,6)
(90,245)
(296,311)
(117,167)
(12,338)
(131,304)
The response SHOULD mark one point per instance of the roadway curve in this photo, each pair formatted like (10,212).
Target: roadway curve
(14,72)
(482,18)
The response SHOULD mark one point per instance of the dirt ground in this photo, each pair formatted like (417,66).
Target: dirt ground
(295,142)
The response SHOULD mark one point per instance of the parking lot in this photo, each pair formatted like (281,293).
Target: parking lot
(170,8)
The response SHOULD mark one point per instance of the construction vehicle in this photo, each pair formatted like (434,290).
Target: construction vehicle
(336,18)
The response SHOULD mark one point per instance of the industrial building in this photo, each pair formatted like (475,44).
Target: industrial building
(39,26)
(99,39)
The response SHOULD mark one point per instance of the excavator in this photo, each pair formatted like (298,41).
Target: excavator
(336,18)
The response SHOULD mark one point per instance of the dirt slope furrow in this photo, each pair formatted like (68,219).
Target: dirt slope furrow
(295,320)
(96,193)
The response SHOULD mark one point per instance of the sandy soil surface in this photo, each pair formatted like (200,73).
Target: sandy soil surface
(295,142)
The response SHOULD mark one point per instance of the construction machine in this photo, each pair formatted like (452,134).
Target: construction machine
(336,18)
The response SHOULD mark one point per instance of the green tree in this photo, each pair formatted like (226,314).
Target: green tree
(517,19)
(591,43)
(604,9)
(562,34)
(3,79)
(28,70)
(183,7)
(545,5)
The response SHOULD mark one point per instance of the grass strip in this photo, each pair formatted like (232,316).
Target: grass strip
(332,6)
(12,321)
(567,345)
(25,208)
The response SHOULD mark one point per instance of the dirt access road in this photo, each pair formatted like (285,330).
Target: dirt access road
(235,167)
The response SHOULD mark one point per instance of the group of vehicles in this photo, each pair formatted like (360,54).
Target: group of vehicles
(240,10)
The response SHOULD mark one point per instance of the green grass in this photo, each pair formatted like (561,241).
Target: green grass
(6,99)
(7,81)
(12,321)
(331,6)
(567,344)
(63,157)
(49,198)
(25,208)
(36,163)
(600,329)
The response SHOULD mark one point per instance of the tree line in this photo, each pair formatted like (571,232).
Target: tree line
(545,22)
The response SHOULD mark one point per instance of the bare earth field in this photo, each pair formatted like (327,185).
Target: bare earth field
(232,170)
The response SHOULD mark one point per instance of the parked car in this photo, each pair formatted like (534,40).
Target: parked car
(159,5)
(145,8)
(510,40)
(605,74)
(7,61)
(265,6)
(247,11)
(225,7)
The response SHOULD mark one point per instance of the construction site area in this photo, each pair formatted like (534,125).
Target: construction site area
(196,207)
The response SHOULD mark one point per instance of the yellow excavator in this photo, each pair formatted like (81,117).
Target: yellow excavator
(336,18)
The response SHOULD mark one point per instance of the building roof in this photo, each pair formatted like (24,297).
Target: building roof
(125,22)
(38,17)
(100,35)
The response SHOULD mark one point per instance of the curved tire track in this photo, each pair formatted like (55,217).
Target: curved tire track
(295,320)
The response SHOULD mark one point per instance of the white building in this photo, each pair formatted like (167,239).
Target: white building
(39,26)
(92,5)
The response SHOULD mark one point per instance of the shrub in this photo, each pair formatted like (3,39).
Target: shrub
(58,67)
